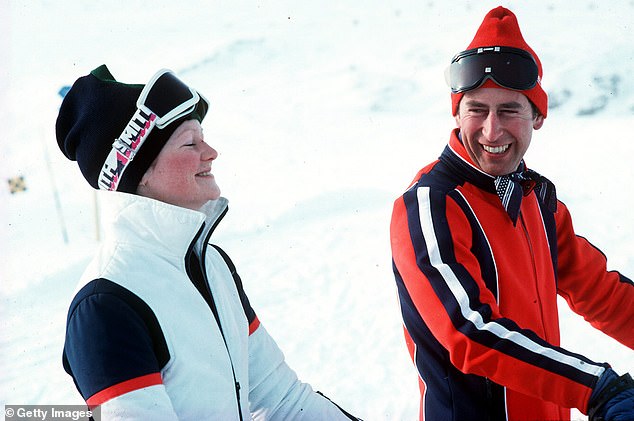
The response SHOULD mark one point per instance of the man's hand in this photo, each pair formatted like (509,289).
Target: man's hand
(612,398)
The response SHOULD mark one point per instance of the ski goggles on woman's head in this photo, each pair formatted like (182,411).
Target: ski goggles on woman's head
(168,98)
(509,67)
(163,100)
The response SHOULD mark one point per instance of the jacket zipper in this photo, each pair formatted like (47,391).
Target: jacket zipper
(233,371)
(212,305)
(489,388)
(535,280)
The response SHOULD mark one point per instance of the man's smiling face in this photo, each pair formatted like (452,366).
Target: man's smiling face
(496,126)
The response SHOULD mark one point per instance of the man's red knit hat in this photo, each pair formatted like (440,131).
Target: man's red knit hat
(500,28)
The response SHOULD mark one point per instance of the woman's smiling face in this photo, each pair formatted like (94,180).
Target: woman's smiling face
(181,173)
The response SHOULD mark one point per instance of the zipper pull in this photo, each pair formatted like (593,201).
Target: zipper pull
(238,399)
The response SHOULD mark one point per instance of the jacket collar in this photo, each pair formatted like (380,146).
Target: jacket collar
(145,222)
(455,156)
(509,188)
(214,211)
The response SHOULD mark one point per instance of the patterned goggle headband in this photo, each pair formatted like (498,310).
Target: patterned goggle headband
(509,67)
(163,100)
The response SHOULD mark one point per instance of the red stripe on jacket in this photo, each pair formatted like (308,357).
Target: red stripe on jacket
(254,325)
(122,388)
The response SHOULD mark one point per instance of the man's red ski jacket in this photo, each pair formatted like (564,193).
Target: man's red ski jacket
(478,296)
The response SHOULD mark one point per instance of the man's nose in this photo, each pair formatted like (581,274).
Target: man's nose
(492,127)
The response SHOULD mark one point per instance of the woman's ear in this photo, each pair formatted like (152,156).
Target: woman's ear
(144,180)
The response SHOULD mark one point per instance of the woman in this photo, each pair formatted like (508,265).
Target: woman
(161,328)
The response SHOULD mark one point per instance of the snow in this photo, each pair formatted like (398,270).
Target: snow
(322,112)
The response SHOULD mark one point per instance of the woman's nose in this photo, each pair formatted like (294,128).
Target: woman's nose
(209,153)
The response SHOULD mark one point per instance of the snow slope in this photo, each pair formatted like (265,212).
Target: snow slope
(322,112)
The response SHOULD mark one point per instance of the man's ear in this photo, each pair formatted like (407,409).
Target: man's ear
(538,122)
(457,118)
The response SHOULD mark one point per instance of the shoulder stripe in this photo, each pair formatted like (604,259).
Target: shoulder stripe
(246,305)
(482,247)
(122,388)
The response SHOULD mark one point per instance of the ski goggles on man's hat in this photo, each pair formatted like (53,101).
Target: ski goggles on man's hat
(162,101)
(509,67)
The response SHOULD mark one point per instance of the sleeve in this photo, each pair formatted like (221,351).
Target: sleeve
(275,391)
(113,355)
(604,298)
(431,239)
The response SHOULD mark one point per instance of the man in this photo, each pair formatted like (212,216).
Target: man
(481,248)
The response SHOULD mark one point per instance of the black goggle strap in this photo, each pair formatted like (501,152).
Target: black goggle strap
(468,69)
(163,100)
